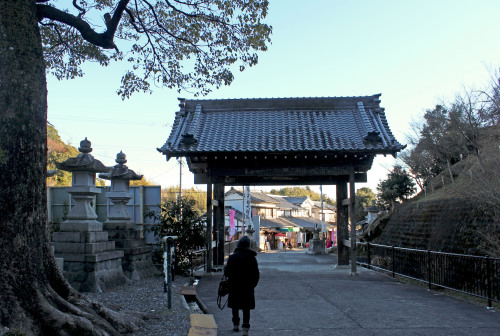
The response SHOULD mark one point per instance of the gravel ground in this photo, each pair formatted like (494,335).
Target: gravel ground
(146,297)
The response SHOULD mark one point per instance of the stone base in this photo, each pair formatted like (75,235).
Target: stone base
(91,262)
(73,225)
(137,261)
(94,273)
(317,246)
(137,264)
(118,225)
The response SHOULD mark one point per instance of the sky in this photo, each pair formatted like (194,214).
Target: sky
(415,53)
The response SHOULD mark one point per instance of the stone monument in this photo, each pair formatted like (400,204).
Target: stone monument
(316,244)
(91,263)
(137,262)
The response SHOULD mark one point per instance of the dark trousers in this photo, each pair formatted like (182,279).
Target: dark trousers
(246,318)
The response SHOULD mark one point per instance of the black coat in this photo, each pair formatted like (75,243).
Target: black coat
(242,271)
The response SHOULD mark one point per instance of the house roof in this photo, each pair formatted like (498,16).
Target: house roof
(284,204)
(306,222)
(279,222)
(326,206)
(286,222)
(299,200)
(258,197)
(274,125)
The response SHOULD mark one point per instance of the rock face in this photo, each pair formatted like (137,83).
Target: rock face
(450,225)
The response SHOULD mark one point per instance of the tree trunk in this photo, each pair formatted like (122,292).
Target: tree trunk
(35,298)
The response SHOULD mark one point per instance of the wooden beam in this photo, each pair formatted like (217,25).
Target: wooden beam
(342,226)
(209,228)
(352,212)
(277,181)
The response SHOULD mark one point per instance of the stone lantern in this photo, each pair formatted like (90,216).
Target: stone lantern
(137,262)
(82,216)
(91,262)
(119,195)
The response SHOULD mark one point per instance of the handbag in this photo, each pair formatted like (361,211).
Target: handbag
(222,291)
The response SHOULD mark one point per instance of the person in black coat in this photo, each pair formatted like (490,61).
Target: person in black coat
(242,271)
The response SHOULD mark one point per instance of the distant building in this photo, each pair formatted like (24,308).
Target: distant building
(280,219)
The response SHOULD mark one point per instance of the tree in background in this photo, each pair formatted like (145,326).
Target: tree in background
(142,182)
(172,43)
(299,191)
(190,228)
(197,195)
(452,132)
(397,187)
(58,151)
(364,198)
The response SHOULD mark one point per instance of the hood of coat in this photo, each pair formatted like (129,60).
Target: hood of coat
(245,251)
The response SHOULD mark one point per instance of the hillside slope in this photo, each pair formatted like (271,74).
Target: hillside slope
(459,212)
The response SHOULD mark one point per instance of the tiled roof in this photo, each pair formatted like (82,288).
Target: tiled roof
(255,196)
(296,200)
(305,222)
(317,204)
(284,204)
(330,124)
(280,222)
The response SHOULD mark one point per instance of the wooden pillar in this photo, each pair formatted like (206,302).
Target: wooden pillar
(209,261)
(352,215)
(342,224)
(219,223)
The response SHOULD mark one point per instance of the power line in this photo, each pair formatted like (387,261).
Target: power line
(114,121)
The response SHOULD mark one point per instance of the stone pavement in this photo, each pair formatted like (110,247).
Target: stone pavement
(302,294)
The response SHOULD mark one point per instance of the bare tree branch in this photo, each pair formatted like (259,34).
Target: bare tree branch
(80,9)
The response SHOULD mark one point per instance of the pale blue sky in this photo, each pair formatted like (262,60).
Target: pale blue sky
(415,53)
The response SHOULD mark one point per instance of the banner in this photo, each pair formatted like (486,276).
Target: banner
(247,211)
(232,226)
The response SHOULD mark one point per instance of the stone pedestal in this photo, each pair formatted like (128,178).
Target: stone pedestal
(91,262)
(317,246)
(137,261)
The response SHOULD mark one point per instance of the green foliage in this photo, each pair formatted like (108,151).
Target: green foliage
(364,198)
(58,151)
(190,229)
(397,187)
(298,192)
(192,45)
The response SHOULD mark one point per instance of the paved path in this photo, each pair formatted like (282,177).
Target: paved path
(301,294)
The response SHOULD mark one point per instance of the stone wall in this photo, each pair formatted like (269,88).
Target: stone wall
(449,225)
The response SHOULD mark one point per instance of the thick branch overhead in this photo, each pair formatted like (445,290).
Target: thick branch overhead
(103,40)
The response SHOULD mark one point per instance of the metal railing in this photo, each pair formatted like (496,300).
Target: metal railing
(468,274)
(198,258)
